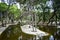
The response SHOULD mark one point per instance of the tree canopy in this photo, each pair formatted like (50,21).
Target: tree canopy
(3,7)
(14,11)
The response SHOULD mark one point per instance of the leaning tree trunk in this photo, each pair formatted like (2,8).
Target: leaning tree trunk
(43,15)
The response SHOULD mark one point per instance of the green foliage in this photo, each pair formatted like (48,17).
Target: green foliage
(22,1)
(56,7)
(57,1)
(3,7)
(32,2)
(14,11)
(43,1)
